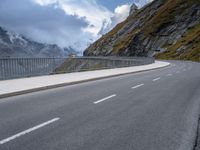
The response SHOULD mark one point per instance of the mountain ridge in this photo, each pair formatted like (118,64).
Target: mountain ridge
(16,45)
(152,30)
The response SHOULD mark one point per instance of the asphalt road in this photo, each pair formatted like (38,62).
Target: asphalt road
(153,110)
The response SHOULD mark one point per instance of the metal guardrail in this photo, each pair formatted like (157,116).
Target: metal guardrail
(11,68)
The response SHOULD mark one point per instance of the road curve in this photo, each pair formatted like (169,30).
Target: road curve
(152,110)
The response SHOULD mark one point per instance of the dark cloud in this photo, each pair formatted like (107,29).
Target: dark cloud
(44,24)
(51,24)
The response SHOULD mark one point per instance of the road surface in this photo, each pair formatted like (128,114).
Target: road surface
(153,110)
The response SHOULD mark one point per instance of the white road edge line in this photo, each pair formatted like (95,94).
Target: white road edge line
(137,86)
(104,99)
(156,79)
(27,131)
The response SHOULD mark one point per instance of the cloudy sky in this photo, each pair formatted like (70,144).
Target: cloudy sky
(73,23)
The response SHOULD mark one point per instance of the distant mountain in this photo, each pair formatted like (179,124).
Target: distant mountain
(168,29)
(16,45)
(70,51)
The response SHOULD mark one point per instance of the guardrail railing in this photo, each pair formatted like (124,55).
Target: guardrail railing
(11,68)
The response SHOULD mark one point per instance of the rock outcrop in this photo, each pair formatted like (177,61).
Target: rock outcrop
(169,26)
(133,9)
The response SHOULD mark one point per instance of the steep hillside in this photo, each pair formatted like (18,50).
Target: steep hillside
(169,26)
(16,45)
(185,48)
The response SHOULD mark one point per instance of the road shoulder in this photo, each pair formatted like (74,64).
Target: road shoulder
(27,85)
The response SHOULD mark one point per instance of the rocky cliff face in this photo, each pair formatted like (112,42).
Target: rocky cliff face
(133,9)
(169,26)
(16,45)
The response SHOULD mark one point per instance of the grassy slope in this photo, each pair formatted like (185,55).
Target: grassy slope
(190,40)
(153,23)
